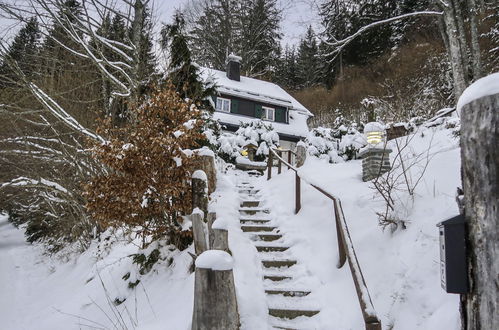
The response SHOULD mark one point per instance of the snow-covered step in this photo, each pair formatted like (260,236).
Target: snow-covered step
(298,323)
(267,237)
(250,203)
(263,216)
(278,263)
(257,228)
(270,248)
(254,221)
(292,313)
(249,191)
(277,278)
(253,210)
(288,293)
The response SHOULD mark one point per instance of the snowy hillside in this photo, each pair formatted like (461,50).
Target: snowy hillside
(401,268)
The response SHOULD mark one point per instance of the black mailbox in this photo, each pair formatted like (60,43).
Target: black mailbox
(453,271)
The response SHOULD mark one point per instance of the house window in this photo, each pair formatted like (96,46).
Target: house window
(268,113)
(223,104)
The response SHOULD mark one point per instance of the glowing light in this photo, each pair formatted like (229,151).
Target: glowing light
(374,137)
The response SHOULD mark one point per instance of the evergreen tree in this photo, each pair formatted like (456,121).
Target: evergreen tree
(213,33)
(259,36)
(343,18)
(307,60)
(57,59)
(249,28)
(23,50)
(183,74)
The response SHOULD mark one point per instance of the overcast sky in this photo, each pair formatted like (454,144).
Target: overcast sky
(297,15)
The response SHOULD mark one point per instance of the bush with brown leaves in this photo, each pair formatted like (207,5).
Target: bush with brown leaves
(147,187)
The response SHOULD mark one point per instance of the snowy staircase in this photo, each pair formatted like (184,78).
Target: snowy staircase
(289,306)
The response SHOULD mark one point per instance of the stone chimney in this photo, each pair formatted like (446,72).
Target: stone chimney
(234,67)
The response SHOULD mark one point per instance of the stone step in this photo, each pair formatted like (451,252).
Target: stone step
(278,263)
(269,237)
(250,203)
(253,211)
(276,278)
(288,293)
(249,191)
(257,228)
(254,221)
(271,248)
(291,313)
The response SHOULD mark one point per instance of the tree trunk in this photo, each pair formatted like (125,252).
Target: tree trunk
(461,32)
(476,62)
(455,56)
(480,168)
(137,28)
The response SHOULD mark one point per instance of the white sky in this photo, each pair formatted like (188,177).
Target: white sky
(297,15)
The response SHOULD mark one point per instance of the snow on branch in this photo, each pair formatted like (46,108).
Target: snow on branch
(340,44)
(59,112)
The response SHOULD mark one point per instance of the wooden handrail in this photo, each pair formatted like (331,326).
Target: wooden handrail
(345,245)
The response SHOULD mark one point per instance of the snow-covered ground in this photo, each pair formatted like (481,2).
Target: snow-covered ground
(401,268)
(78,291)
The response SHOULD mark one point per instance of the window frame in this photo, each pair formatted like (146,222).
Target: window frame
(223,100)
(266,112)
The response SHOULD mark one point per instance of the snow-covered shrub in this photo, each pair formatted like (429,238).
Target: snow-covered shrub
(322,143)
(256,132)
(351,143)
(335,144)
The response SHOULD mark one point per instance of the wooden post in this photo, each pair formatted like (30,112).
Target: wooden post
(279,163)
(289,158)
(301,154)
(211,236)
(215,303)
(199,231)
(480,174)
(269,173)
(200,191)
(342,257)
(220,235)
(297,193)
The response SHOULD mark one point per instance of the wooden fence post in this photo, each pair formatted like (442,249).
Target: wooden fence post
(289,159)
(200,192)
(301,154)
(215,303)
(221,236)
(297,193)
(199,231)
(279,163)
(269,173)
(209,221)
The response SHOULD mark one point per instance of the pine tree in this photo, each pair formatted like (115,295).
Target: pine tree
(183,74)
(23,50)
(249,28)
(307,60)
(259,36)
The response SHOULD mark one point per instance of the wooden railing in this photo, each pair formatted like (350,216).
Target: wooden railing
(346,250)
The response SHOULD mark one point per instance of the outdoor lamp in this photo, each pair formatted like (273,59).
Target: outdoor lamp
(375,133)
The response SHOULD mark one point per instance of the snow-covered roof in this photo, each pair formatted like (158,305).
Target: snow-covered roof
(253,89)
(297,122)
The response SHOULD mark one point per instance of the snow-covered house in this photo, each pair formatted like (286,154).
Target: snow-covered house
(240,99)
